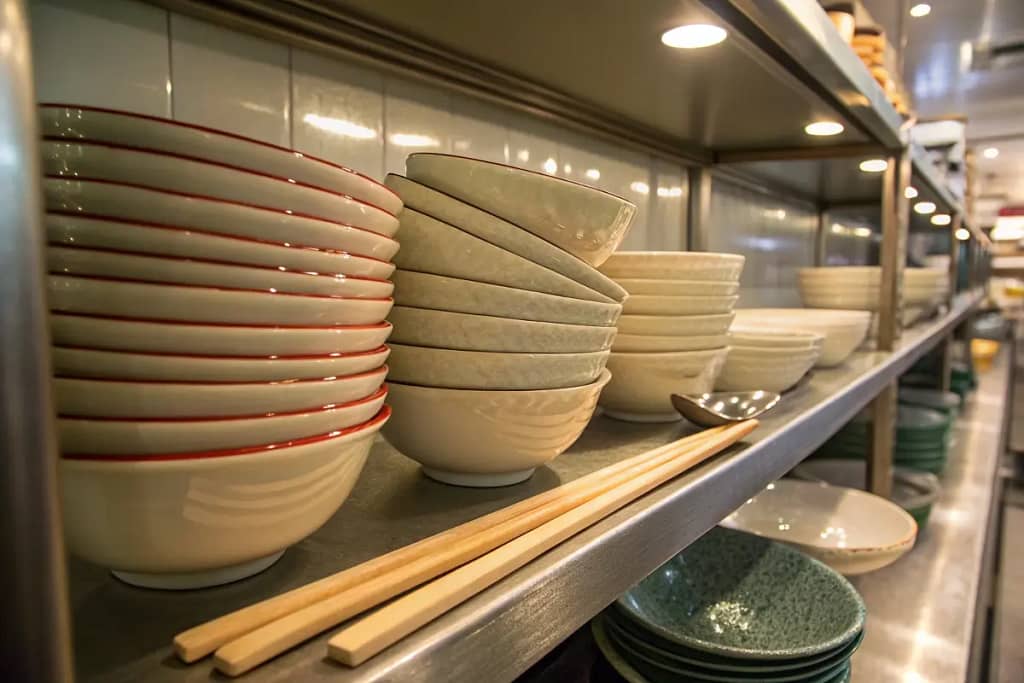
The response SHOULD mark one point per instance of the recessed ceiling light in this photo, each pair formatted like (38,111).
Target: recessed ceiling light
(921,9)
(550,166)
(593,174)
(639,187)
(942,219)
(924,208)
(990,152)
(874,165)
(823,128)
(910,192)
(963,234)
(692,36)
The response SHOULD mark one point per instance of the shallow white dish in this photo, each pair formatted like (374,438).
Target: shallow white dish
(121,334)
(651,342)
(852,531)
(90,362)
(170,172)
(197,520)
(679,287)
(488,438)
(76,122)
(152,399)
(101,198)
(160,240)
(110,437)
(675,325)
(453,369)
(642,383)
(192,303)
(649,304)
(437,292)
(587,222)
(469,332)
(758,369)
(843,330)
(499,232)
(674,265)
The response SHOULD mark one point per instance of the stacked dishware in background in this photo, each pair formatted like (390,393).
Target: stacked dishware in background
(843,331)
(217,313)
(673,331)
(766,359)
(502,324)
(734,607)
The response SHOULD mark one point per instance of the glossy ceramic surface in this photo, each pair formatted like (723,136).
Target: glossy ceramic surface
(674,265)
(843,330)
(488,438)
(723,407)
(675,326)
(654,343)
(643,383)
(587,222)
(647,304)
(678,287)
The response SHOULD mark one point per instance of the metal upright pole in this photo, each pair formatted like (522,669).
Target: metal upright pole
(698,208)
(35,634)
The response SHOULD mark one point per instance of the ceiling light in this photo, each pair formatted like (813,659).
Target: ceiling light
(693,36)
(1008,228)
(523,155)
(550,166)
(640,187)
(413,140)
(921,9)
(674,191)
(990,152)
(924,208)
(874,165)
(963,234)
(567,169)
(910,192)
(592,173)
(342,127)
(942,219)
(862,232)
(824,128)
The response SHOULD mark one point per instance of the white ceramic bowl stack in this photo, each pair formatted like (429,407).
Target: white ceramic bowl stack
(767,359)
(859,288)
(843,331)
(218,316)
(673,330)
(502,323)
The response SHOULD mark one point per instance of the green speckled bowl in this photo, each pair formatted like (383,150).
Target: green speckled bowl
(737,595)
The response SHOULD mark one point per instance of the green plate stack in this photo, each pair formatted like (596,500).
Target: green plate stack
(947,402)
(734,608)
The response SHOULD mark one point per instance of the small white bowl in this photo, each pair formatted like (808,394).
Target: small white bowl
(493,370)
(437,292)
(198,271)
(107,199)
(675,325)
(587,222)
(166,171)
(468,332)
(653,343)
(152,399)
(168,240)
(444,429)
(431,246)
(843,330)
(75,122)
(201,519)
(192,303)
(105,364)
(642,383)
(122,334)
(674,265)
(757,369)
(647,304)
(110,437)
(679,287)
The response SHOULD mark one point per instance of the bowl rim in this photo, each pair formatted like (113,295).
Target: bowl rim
(384,324)
(602,379)
(721,255)
(383,348)
(381,370)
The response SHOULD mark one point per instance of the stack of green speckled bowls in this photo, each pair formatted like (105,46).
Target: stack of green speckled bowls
(734,608)
(922,439)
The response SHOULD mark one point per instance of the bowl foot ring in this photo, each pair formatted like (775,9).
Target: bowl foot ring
(478,480)
(201,579)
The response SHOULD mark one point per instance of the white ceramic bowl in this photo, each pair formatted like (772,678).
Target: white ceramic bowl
(120,334)
(160,240)
(431,246)
(197,271)
(192,303)
(453,369)
(152,399)
(843,330)
(499,232)
(75,122)
(642,383)
(774,338)
(177,173)
(106,364)
(649,304)
(106,199)
(870,275)
(110,437)
(760,369)
(852,531)
(675,325)
(679,287)
(650,342)
(488,438)
(468,332)
(587,222)
(437,292)
(674,265)
(196,520)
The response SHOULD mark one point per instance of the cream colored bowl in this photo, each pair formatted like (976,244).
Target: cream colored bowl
(468,332)
(843,330)
(101,198)
(161,240)
(198,520)
(422,290)
(488,438)
(679,287)
(176,173)
(74,122)
(151,399)
(645,304)
(761,369)
(110,437)
(452,369)
(674,265)
(192,303)
(642,383)
(650,342)
(587,222)
(119,334)
(774,338)
(675,325)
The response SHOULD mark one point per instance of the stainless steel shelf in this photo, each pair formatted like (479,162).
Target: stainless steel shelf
(930,185)
(124,633)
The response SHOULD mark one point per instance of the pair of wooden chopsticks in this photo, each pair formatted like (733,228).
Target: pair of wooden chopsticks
(474,555)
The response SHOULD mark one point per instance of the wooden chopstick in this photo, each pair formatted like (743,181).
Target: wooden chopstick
(203,639)
(381,629)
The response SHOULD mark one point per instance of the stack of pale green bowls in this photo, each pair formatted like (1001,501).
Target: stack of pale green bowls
(734,608)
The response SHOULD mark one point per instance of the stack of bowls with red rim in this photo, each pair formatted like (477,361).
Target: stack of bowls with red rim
(218,312)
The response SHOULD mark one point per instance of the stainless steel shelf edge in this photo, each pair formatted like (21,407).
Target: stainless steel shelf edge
(925,170)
